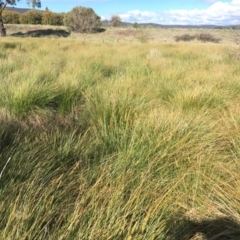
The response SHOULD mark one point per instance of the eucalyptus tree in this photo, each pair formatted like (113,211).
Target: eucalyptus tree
(116,21)
(82,20)
(3,5)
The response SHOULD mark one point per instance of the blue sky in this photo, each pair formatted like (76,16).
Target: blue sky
(224,12)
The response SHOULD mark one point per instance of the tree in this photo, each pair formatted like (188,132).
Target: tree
(3,4)
(56,19)
(115,21)
(135,25)
(31,17)
(46,16)
(11,17)
(51,18)
(82,20)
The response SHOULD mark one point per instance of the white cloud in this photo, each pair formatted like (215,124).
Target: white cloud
(218,13)
(139,16)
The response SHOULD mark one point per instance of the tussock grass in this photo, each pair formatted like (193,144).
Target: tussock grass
(118,141)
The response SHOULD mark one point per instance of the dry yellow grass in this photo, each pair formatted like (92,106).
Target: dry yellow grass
(130,34)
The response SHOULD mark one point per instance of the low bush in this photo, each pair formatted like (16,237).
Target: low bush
(207,37)
(9,45)
(82,20)
(51,18)
(143,36)
(31,17)
(203,37)
(185,38)
(11,17)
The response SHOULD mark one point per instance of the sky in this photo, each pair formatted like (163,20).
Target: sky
(184,12)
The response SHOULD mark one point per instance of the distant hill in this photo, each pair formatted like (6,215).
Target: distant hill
(156,25)
(20,10)
(189,26)
(182,26)
(177,26)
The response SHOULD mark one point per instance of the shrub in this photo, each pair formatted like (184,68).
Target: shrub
(51,18)
(135,25)
(23,19)
(82,20)
(185,38)
(143,36)
(115,21)
(9,45)
(11,17)
(207,37)
(31,17)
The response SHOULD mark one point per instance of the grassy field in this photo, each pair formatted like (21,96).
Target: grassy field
(118,139)
(124,34)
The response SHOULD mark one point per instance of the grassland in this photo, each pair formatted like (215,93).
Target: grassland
(123,34)
(119,139)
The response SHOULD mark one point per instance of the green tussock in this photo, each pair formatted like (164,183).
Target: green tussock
(118,140)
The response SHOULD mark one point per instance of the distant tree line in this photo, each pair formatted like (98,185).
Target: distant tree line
(79,19)
(46,17)
(85,20)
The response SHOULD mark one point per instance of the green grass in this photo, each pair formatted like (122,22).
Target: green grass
(118,140)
